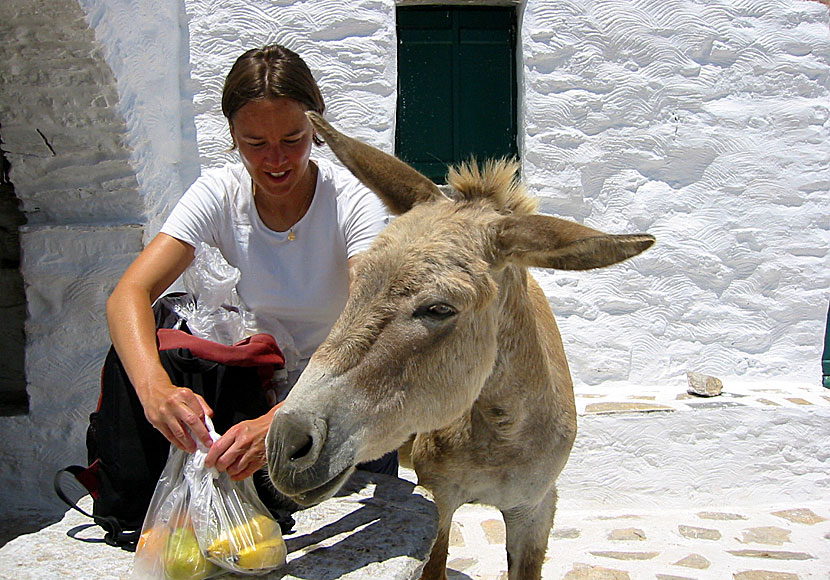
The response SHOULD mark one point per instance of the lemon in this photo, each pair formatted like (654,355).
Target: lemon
(253,531)
(268,554)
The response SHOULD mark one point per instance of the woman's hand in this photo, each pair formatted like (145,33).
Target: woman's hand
(241,450)
(177,412)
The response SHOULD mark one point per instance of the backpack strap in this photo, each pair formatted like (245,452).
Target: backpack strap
(88,477)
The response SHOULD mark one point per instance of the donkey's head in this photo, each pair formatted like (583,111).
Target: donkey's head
(419,334)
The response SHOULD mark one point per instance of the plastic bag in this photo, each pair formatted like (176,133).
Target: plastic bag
(219,314)
(201,524)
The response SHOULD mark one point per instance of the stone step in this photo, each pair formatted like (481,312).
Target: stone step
(755,443)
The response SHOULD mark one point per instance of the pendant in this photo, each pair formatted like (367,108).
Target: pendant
(291,235)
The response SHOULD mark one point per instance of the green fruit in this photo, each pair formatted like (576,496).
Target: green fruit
(183,560)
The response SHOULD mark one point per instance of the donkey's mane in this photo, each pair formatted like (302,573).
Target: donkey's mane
(495,180)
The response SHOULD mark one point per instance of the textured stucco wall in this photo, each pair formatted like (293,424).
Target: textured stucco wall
(706,124)
(703,123)
(71,168)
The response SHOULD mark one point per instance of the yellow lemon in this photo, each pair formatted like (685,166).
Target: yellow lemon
(268,554)
(258,529)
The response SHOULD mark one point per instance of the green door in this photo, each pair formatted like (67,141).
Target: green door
(456,86)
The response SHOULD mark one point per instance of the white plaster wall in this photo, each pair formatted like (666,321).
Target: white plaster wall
(349,45)
(705,124)
(145,43)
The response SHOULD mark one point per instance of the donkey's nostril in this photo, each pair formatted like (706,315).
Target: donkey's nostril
(302,449)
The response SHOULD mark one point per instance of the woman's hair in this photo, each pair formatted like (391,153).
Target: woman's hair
(270,72)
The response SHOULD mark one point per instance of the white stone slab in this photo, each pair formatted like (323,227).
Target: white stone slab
(378,527)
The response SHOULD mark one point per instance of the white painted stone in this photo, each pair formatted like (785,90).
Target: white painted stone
(377,528)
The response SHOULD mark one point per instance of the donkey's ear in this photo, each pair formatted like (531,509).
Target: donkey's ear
(396,183)
(547,242)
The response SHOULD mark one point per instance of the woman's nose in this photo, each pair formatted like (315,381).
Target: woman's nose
(275,155)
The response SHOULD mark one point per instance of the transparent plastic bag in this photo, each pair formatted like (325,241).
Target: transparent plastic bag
(201,524)
(218,314)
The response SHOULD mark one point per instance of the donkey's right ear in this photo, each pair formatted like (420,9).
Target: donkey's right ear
(542,241)
(396,183)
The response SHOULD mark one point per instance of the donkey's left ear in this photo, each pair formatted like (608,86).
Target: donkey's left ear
(547,242)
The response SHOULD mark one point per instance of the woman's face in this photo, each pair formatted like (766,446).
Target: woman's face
(274,139)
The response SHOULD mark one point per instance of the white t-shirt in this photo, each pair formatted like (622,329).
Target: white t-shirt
(303,283)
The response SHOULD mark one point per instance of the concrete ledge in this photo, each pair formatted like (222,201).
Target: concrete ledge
(378,527)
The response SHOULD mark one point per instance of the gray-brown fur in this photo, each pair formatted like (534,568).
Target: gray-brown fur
(447,341)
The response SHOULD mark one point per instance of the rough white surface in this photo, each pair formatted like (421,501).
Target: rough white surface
(377,528)
(705,124)
(729,456)
(146,47)
(348,45)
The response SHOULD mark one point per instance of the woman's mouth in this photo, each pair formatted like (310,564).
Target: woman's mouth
(277,176)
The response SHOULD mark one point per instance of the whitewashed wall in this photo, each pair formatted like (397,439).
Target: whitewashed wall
(705,124)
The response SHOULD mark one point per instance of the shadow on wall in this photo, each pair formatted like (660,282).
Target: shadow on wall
(13,397)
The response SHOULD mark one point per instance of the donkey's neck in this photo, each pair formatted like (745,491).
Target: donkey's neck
(530,365)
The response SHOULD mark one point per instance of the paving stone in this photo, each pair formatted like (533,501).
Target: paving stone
(772,554)
(764,575)
(768,402)
(615,407)
(494,531)
(627,534)
(717,405)
(671,577)
(798,401)
(626,555)
(703,385)
(586,572)
(694,533)
(770,535)
(800,516)
(565,534)
(694,561)
(456,536)
(461,564)
(720,516)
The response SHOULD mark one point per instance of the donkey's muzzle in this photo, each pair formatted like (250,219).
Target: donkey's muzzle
(302,463)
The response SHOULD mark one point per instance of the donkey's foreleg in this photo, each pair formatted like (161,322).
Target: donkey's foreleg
(528,528)
(436,566)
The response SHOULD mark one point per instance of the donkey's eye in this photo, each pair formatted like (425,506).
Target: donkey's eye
(437,311)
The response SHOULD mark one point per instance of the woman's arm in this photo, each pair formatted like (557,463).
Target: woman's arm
(170,409)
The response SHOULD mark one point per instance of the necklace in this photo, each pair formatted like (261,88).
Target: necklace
(292,235)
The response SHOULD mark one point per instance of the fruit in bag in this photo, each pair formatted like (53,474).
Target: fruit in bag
(152,542)
(268,554)
(183,559)
(246,535)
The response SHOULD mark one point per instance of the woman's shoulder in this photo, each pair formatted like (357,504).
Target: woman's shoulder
(221,184)
(227,176)
(338,181)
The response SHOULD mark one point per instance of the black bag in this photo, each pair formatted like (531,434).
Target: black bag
(126,454)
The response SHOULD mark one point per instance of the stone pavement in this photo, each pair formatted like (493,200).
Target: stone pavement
(783,542)
(683,530)
(376,528)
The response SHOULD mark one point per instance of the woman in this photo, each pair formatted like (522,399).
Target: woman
(288,223)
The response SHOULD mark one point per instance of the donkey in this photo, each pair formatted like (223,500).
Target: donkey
(446,337)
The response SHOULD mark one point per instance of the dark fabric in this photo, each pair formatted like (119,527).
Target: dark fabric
(131,453)
(126,454)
